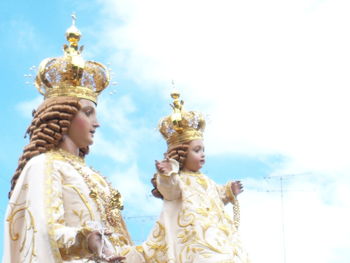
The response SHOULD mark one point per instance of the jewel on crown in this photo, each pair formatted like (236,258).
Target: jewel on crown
(71,75)
(181,126)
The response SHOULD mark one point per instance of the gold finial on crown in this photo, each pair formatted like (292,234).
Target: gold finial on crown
(71,75)
(181,126)
(73,34)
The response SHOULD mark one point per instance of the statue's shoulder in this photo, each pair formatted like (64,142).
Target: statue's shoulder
(45,159)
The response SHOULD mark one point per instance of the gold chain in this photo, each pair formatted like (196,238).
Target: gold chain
(236,213)
(233,199)
(109,205)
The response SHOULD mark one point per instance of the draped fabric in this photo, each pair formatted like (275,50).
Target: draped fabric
(193,226)
(52,210)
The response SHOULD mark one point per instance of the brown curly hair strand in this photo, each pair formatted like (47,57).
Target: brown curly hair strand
(50,122)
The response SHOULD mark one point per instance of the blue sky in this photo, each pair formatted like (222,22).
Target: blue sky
(271,76)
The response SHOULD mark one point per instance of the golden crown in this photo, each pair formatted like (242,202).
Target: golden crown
(71,75)
(181,126)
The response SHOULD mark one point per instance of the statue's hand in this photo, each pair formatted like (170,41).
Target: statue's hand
(164,166)
(155,191)
(236,187)
(97,246)
(114,259)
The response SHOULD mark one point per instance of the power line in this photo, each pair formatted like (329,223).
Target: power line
(282,219)
(281,190)
(141,217)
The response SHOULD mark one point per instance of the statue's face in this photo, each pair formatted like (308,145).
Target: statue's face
(84,124)
(195,158)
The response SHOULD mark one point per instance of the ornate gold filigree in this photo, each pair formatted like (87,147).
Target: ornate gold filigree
(181,126)
(70,75)
(29,228)
(82,197)
(50,197)
(196,222)
(109,203)
(158,245)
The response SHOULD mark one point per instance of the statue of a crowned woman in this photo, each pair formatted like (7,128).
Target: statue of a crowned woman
(60,210)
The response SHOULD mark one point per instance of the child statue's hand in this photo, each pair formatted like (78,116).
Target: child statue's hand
(164,166)
(236,187)
(155,191)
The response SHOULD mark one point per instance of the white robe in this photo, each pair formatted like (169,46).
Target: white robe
(51,212)
(193,226)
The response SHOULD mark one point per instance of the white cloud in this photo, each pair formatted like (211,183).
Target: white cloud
(26,108)
(314,220)
(109,148)
(273,75)
(121,136)
(127,131)
(138,194)
(274,78)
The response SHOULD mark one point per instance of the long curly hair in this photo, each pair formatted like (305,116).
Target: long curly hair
(179,153)
(50,122)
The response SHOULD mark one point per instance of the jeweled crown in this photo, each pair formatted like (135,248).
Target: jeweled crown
(181,126)
(70,75)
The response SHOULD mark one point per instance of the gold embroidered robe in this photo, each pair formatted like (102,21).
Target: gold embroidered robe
(51,211)
(193,226)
